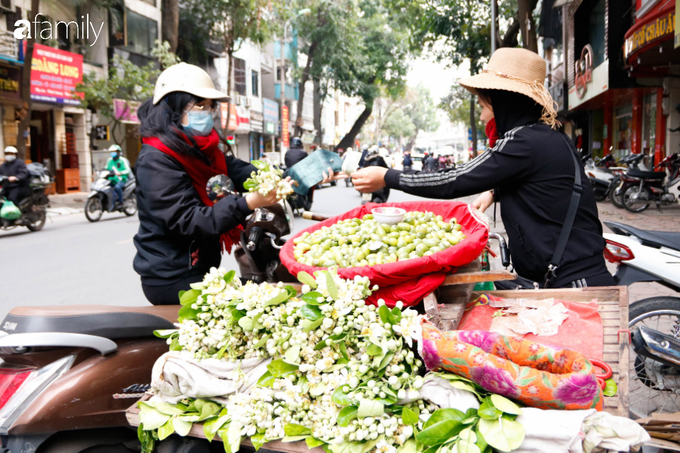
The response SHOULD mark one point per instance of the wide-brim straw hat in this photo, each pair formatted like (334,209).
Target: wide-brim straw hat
(518,70)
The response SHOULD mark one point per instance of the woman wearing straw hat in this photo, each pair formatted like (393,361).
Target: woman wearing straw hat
(533,172)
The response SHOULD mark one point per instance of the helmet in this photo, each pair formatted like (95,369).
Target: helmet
(365,147)
(11,150)
(115,147)
(349,149)
(295,142)
(189,79)
(373,148)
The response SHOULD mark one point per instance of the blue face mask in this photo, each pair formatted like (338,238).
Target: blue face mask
(201,122)
(114,154)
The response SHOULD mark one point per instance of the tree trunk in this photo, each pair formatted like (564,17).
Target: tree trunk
(26,87)
(230,65)
(170,11)
(303,81)
(527,25)
(348,140)
(510,38)
(318,109)
(411,141)
(473,125)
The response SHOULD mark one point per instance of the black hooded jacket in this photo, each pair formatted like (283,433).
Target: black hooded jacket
(16,168)
(532,172)
(178,235)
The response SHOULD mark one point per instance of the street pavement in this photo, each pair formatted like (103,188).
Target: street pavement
(72,261)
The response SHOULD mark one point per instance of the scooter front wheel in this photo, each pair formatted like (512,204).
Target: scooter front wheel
(94,209)
(615,195)
(130,205)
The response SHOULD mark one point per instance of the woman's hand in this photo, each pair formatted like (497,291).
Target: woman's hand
(257,200)
(483,201)
(369,179)
(331,176)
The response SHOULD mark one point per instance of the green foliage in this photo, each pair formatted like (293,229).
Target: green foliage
(456,105)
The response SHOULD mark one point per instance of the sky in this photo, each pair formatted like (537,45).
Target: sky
(435,76)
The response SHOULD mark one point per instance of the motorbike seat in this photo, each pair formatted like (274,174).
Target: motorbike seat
(105,321)
(635,173)
(666,239)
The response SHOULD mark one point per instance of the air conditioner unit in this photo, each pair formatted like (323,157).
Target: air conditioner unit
(7,5)
(238,99)
(247,101)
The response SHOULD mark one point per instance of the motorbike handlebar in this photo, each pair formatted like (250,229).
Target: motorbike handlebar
(503,246)
(309,215)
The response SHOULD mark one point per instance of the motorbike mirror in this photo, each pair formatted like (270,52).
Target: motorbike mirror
(219,186)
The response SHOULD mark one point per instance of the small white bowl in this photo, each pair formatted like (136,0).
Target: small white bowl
(388,215)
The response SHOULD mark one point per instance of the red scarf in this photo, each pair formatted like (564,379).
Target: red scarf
(199,172)
(491,132)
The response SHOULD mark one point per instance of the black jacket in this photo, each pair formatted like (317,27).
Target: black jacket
(18,169)
(174,223)
(294,155)
(533,174)
(407,162)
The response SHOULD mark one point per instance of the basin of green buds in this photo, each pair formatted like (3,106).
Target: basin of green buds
(366,242)
(266,179)
(338,366)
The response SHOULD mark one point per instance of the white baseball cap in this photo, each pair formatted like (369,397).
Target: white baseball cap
(11,150)
(189,79)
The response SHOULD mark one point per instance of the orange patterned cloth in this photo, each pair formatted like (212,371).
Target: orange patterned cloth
(539,376)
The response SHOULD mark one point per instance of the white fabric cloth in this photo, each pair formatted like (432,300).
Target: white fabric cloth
(177,375)
(604,431)
(440,392)
(552,431)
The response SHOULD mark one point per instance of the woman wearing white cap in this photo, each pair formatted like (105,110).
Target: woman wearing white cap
(533,172)
(182,232)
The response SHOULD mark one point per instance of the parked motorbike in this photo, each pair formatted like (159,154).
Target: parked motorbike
(102,197)
(34,207)
(650,256)
(645,187)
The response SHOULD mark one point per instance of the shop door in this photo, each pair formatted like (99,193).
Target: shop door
(42,149)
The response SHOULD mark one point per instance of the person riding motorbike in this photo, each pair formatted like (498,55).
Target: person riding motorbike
(15,169)
(364,153)
(295,153)
(119,166)
(533,170)
(182,232)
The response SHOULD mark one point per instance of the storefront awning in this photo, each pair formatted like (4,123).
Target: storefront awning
(648,44)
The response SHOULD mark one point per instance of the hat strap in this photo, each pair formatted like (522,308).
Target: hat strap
(549,114)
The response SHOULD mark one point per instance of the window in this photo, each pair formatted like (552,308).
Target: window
(597,31)
(240,76)
(142,32)
(255,80)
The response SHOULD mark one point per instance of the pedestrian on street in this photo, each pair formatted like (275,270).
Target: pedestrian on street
(121,172)
(182,233)
(15,169)
(407,163)
(533,171)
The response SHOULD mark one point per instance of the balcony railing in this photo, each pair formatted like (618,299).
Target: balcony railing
(8,45)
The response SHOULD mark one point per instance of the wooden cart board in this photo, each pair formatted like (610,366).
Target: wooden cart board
(446,313)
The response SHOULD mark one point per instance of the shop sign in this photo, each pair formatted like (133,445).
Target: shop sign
(229,110)
(285,134)
(126,111)
(271,111)
(55,74)
(308,137)
(9,83)
(584,71)
(270,128)
(256,116)
(661,28)
(243,120)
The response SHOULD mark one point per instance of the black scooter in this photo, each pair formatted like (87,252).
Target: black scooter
(102,197)
(34,207)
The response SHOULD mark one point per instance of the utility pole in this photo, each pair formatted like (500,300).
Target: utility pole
(494,13)
(283,85)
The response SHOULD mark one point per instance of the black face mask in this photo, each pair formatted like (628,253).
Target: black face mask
(512,110)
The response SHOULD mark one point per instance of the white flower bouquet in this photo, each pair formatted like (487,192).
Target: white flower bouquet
(266,179)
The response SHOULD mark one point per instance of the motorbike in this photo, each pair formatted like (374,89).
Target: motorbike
(650,256)
(641,188)
(380,196)
(102,197)
(34,207)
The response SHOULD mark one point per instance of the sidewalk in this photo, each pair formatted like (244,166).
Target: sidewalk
(67,204)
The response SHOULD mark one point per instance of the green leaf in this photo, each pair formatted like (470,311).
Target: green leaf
(343,351)
(441,415)
(386,315)
(311,298)
(463,386)
(287,439)
(397,315)
(307,279)
(266,380)
(187,313)
(340,398)
(439,432)
(237,314)
(189,297)
(488,411)
(233,437)
(229,277)
(181,427)
(502,434)
(258,440)
(262,341)
(409,417)
(468,434)
(346,415)
(246,323)
(368,408)
(221,352)
(150,417)
(168,409)
(466,446)
(292,355)
(610,388)
(308,325)
(278,299)
(313,442)
(279,368)
(259,164)
(166,430)
(209,409)
(165,333)
(386,360)
(291,429)
(311,312)
(318,389)
(481,443)
(505,405)
(373,350)
(410,446)
(332,288)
